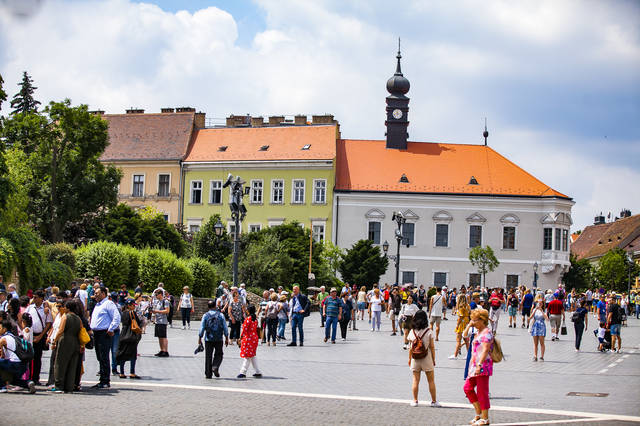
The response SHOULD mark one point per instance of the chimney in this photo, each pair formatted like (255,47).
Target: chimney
(198,120)
(97,112)
(598,220)
(300,120)
(257,121)
(625,213)
(166,110)
(134,111)
(322,119)
(275,120)
(238,120)
(185,109)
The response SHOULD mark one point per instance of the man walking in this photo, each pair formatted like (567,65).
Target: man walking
(213,327)
(614,319)
(161,308)
(105,319)
(299,308)
(42,320)
(320,299)
(333,313)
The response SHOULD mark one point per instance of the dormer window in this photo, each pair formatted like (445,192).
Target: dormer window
(473,181)
(404,178)
(306,147)
(264,147)
(222,148)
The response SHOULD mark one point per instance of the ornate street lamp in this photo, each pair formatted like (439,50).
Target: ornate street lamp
(238,212)
(385,247)
(535,276)
(218,228)
(399,218)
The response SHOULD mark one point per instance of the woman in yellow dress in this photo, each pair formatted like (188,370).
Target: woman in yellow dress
(464,312)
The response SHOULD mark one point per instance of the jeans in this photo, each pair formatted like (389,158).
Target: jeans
(133,366)
(375,319)
(272,325)
(282,323)
(235,329)
(102,345)
(186,316)
(323,318)
(330,323)
(296,325)
(114,349)
(212,356)
(637,310)
(344,323)
(12,372)
(579,328)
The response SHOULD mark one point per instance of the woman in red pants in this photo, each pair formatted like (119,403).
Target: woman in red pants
(476,387)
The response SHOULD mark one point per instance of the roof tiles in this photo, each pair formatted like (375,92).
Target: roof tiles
(596,240)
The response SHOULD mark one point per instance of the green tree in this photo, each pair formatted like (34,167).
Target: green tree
(579,274)
(612,271)
(68,180)
(18,176)
(484,260)
(204,277)
(363,264)
(5,185)
(23,101)
(3,94)
(332,255)
(265,263)
(207,245)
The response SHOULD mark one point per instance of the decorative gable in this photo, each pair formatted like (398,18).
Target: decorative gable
(476,218)
(374,214)
(442,216)
(510,219)
(409,215)
(557,219)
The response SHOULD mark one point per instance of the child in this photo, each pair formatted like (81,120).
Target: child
(249,343)
(27,334)
(601,332)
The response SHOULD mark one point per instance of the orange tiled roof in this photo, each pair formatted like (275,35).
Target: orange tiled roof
(432,168)
(596,240)
(148,136)
(284,142)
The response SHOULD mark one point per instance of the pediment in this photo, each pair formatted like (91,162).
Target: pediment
(375,214)
(510,218)
(410,215)
(476,218)
(442,216)
(557,218)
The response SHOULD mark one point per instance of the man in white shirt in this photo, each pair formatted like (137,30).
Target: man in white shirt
(243,293)
(42,320)
(3,300)
(12,291)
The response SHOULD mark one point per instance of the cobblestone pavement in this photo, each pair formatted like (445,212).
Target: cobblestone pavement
(362,380)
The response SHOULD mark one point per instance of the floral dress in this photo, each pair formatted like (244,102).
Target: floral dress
(485,336)
(249,342)
(463,319)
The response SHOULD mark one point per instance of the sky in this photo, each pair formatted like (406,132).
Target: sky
(559,82)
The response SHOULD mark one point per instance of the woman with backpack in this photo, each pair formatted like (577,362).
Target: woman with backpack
(422,356)
(271,317)
(476,386)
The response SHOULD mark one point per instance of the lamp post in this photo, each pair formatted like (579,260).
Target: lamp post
(535,276)
(238,212)
(399,218)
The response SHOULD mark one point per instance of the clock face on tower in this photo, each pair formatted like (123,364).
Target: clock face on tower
(397,114)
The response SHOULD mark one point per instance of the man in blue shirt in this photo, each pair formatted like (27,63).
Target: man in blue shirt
(602,309)
(333,313)
(527,303)
(298,309)
(105,319)
(213,327)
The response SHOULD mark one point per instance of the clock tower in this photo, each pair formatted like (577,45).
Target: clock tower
(397,108)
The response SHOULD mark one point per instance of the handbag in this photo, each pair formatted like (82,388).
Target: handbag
(83,336)
(563,329)
(135,327)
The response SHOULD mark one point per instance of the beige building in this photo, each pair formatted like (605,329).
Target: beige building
(149,149)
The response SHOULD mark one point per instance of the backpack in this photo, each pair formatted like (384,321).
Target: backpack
(213,327)
(418,349)
(496,351)
(272,311)
(24,349)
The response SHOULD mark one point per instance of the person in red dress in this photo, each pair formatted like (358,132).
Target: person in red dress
(249,344)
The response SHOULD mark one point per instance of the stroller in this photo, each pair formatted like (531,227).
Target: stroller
(606,346)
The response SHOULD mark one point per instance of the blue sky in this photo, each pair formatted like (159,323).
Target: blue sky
(558,81)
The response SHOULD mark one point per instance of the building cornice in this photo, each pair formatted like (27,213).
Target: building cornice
(252,164)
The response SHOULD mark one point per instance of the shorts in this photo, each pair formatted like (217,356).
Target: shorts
(601,340)
(362,306)
(424,364)
(160,331)
(407,324)
(513,311)
(526,311)
(615,329)
(435,319)
(392,315)
(555,320)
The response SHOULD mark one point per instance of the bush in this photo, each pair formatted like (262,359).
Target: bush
(105,259)
(133,254)
(60,252)
(158,265)
(57,273)
(204,277)
(8,260)
(29,260)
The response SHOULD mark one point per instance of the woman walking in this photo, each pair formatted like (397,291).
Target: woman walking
(580,320)
(407,312)
(375,309)
(538,330)
(463,311)
(68,350)
(186,306)
(347,310)
(362,302)
(129,338)
(249,344)
(421,331)
(513,302)
(476,387)
(283,317)
(237,311)
(271,317)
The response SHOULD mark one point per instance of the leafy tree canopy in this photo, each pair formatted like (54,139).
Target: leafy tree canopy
(23,101)
(207,245)
(613,270)
(579,274)
(484,260)
(363,264)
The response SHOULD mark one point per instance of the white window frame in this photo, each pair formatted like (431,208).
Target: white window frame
(415,275)
(367,231)
(274,222)
(550,248)
(515,236)
(221,189)
(481,225)
(273,181)
(169,186)
(433,276)
(414,235)
(252,225)
(293,191)
(469,277)
(324,231)
(504,283)
(168,215)
(144,183)
(194,222)
(324,194)
(435,235)
(254,190)
(191,188)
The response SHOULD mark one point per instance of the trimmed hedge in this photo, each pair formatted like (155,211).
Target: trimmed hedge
(57,273)
(60,252)
(107,260)
(28,257)
(159,265)
(134,264)
(204,277)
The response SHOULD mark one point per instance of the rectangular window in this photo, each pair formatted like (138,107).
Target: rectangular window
(277,191)
(509,237)
(439,279)
(166,217)
(558,238)
(232,231)
(318,233)
(256,191)
(442,235)
(194,228)
(255,228)
(547,238)
(475,279)
(319,191)
(215,194)
(565,240)
(408,277)
(374,232)
(408,232)
(512,281)
(138,186)
(163,185)
(196,192)
(475,236)
(298,191)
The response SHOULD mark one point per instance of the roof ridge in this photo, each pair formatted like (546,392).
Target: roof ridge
(420,142)
(148,114)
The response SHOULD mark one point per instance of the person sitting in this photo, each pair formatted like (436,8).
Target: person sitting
(11,368)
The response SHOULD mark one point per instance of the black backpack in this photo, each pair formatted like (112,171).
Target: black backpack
(24,349)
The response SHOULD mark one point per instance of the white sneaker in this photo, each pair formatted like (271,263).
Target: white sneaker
(184,328)
(453,357)
(414,403)
(435,404)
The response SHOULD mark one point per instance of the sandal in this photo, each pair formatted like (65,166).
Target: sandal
(122,376)
(134,376)
(481,422)
(475,419)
